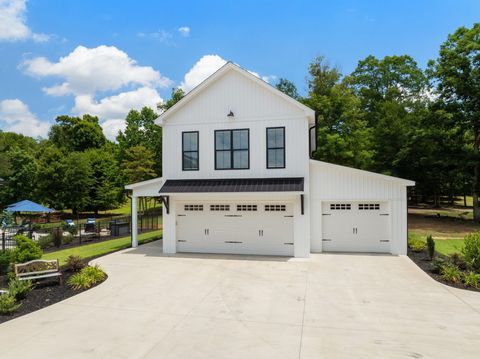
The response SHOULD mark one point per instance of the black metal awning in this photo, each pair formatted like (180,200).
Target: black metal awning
(290,184)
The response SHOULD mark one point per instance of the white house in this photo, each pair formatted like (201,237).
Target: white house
(238,178)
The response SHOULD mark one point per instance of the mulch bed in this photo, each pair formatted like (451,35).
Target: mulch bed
(421,260)
(44,294)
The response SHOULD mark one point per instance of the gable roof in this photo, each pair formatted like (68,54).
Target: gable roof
(396,180)
(230,66)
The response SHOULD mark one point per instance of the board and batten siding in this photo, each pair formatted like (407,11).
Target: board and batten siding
(337,183)
(255,108)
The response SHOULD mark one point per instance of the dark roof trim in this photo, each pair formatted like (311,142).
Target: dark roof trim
(291,184)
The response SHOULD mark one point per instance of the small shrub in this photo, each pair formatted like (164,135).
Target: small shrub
(73,230)
(67,239)
(451,273)
(45,242)
(95,273)
(457,260)
(430,247)
(75,263)
(8,304)
(57,235)
(87,277)
(79,281)
(416,245)
(472,279)
(19,288)
(471,251)
(437,265)
(26,250)
(5,260)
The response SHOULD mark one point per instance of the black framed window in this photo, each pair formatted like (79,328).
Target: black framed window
(190,151)
(276,147)
(232,149)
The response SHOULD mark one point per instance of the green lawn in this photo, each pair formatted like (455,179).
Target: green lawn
(101,248)
(442,246)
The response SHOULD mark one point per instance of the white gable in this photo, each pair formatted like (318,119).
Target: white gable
(234,89)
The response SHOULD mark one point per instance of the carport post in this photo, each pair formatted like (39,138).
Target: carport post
(134,222)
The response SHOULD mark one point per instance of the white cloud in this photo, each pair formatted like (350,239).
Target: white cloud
(88,70)
(18,118)
(13,25)
(115,108)
(203,68)
(184,31)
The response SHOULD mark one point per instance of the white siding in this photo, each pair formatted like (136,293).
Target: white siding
(255,108)
(337,183)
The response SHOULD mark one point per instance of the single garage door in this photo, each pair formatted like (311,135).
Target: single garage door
(356,227)
(264,228)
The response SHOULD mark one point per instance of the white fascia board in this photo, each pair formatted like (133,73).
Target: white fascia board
(138,185)
(309,113)
(396,180)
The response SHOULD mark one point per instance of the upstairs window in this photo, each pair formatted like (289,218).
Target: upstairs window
(190,151)
(232,149)
(276,147)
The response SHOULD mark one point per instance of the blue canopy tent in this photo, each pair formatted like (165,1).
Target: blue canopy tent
(28,206)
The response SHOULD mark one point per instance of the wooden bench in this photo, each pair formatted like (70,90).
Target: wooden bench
(38,269)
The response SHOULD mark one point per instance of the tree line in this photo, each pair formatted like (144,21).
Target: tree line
(393,117)
(389,116)
(77,167)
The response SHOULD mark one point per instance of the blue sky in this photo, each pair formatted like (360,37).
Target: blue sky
(123,54)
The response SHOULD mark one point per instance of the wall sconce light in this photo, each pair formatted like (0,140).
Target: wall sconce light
(231,114)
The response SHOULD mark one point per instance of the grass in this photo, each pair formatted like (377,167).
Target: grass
(443,246)
(101,248)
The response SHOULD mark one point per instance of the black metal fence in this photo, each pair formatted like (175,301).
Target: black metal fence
(74,233)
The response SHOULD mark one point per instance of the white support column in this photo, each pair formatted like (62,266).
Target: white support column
(134,221)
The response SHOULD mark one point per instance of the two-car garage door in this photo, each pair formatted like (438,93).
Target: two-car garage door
(235,227)
(356,227)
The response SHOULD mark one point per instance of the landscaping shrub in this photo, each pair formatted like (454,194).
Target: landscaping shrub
(472,279)
(73,230)
(416,245)
(57,235)
(437,265)
(95,273)
(79,281)
(87,277)
(430,247)
(26,250)
(5,260)
(75,263)
(451,273)
(457,260)
(8,304)
(471,251)
(19,288)
(45,242)
(67,239)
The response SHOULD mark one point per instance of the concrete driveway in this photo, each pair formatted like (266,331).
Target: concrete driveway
(200,306)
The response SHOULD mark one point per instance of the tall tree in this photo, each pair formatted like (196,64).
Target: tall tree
(138,164)
(77,181)
(343,136)
(457,71)
(51,171)
(141,130)
(177,95)
(21,177)
(77,134)
(288,88)
(106,190)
